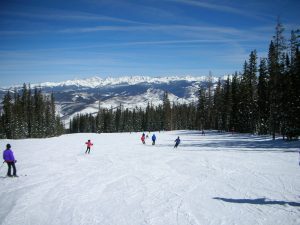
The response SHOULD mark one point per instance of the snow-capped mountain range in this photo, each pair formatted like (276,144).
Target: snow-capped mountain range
(86,95)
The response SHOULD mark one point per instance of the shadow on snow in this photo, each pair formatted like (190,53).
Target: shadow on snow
(236,145)
(258,201)
(219,141)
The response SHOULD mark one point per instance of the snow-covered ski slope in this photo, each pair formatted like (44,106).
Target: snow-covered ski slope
(217,179)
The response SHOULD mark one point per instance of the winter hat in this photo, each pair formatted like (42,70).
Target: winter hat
(8,146)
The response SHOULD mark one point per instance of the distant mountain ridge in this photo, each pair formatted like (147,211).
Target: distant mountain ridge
(86,95)
(95,81)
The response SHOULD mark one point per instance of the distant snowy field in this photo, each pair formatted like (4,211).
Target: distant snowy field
(217,179)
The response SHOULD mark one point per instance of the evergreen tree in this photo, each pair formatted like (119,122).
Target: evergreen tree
(17,116)
(201,110)
(234,115)
(227,105)
(8,116)
(276,54)
(167,112)
(273,87)
(218,106)
(29,112)
(252,88)
(210,101)
(263,98)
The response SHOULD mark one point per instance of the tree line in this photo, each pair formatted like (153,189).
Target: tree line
(162,117)
(264,98)
(29,114)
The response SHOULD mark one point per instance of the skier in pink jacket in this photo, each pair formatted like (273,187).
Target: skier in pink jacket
(89,144)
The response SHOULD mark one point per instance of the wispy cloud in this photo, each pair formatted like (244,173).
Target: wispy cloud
(57,15)
(18,32)
(159,30)
(175,43)
(218,7)
(167,27)
(192,33)
(211,6)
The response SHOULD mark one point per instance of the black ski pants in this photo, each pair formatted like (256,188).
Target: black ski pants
(11,165)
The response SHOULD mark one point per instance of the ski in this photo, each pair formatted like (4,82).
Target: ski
(22,175)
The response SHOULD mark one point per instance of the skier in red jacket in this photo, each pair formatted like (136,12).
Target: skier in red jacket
(88,146)
(143,138)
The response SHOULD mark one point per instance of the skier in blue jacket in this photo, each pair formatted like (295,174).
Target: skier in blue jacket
(9,158)
(153,139)
(177,142)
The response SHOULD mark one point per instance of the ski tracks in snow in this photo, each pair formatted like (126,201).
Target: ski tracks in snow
(122,182)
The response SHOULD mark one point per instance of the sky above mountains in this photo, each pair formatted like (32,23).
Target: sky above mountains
(59,40)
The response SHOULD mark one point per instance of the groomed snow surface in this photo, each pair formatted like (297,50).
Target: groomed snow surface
(217,179)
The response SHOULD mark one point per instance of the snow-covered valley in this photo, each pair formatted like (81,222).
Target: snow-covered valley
(214,179)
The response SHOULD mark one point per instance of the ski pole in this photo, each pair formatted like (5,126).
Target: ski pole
(2,165)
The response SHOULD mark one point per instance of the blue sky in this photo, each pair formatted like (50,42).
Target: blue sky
(60,40)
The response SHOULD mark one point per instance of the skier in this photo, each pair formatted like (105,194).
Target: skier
(177,142)
(153,139)
(9,158)
(143,139)
(203,133)
(88,146)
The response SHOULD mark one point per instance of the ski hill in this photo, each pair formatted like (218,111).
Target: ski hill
(217,179)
